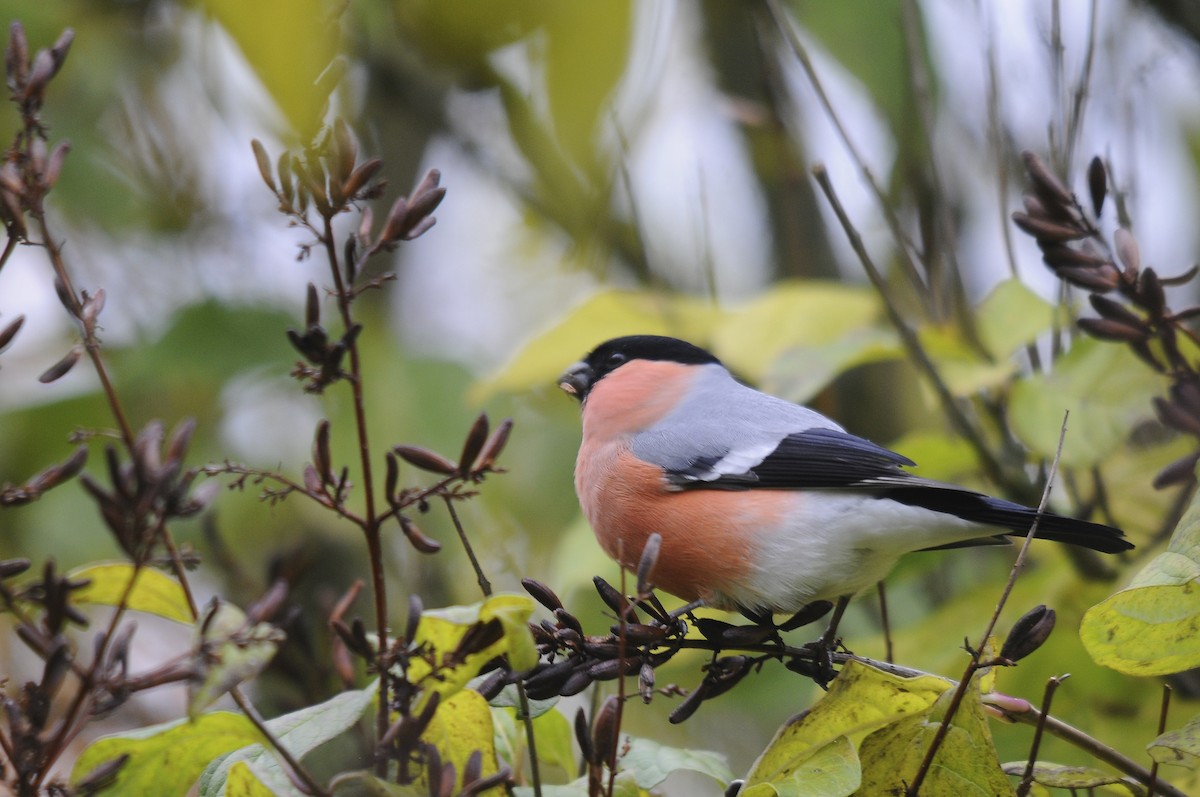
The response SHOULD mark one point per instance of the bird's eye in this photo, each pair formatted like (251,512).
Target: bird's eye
(615,359)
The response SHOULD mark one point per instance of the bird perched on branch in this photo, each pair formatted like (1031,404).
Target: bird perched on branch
(763,506)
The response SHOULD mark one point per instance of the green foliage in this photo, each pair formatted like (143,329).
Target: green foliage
(152,592)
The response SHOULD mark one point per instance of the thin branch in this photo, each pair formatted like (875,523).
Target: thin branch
(912,343)
(974,665)
(292,762)
(485,586)
(1027,778)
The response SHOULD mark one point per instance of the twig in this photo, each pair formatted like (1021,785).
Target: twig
(485,586)
(293,763)
(1162,727)
(1027,777)
(885,621)
(920,289)
(912,344)
(974,665)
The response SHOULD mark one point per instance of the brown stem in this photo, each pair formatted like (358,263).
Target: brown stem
(370,523)
(1027,778)
(1162,727)
(974,665)
(293,763)
(485,586)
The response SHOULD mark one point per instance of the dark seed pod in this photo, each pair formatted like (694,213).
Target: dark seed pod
(646,682)
(542,594)
(614,600)
(9,332)
(360,177)
(1150,291)
(1182,279)
(1045,182)
(740,636)
(583,736)
(62,367)
(1097,179)
(1116,311)
(1108,329)
(568,620)
(1102,278)
(494,446)
(689,705)
(415,609)
(809,614)
(1181,471)
(1056,255)
(426,460)
(473,444)
(647,562)
(601,650)
(1028,633)
(605,729)
(576,683)
(264,163)
(322,460)
(638,634)
(1176,416)
(419,540)
(613,668)
(13,567)
(492,685)
(1046,230)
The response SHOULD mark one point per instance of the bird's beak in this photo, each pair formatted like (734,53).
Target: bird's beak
(577,380)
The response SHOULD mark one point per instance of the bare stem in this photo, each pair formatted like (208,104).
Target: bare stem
(293,763)
(370,523)
(974,665)
(1027,778)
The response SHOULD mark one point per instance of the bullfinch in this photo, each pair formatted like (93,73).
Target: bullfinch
(763,506)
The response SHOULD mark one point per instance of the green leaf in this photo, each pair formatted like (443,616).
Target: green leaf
(1011,316)
(288,43)
(167,759)
(154,592)
(607,314)
(300,732)
(509,698)
(624,785)
(861,699)
(1107,390)
(651,762)
(831,771)
(1151,626)
(552,731)
(938,455)
(1180,746)
(229,652)
(961,367)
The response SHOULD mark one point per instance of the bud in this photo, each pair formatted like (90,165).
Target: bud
(1028,633)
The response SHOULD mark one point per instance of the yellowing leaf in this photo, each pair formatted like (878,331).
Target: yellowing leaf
(607,314)
(1057,776)
(1181,746)
(861,699)
(243,783)
(965,763)
(461,725)
(300,732)
(1152,627)
(154,592)
(441,631)
(796,315)
(167,759)
(963,368)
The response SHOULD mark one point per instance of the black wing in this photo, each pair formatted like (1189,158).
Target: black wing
(815,458)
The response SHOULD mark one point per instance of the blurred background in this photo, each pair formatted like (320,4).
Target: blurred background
(611,167)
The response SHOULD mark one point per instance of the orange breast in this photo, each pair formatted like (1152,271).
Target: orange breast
(709,537)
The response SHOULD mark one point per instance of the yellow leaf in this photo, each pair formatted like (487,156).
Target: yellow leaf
(461,725)
(861,699)
(243,783)
(607,314)
(441,631)
(1152,627)
(154,592)
(167,759)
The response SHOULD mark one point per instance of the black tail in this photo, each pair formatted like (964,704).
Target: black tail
(1014,517)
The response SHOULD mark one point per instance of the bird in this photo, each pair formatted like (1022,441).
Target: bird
(763,506)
